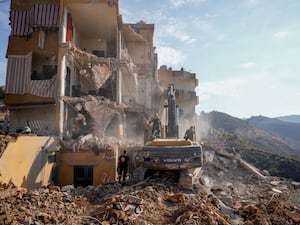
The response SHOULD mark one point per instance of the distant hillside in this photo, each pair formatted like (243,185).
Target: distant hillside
(267,134)
(287,130)
(219,120)
(291,118)
(277,154)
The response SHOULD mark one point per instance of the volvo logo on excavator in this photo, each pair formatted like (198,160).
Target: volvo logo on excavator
(174,160)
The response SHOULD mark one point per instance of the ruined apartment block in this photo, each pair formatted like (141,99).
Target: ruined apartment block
(82,70)
(78,73)
(86,84)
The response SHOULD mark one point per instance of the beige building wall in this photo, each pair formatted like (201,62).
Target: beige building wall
(139,42)
(166,77)
(103,166)
(92,44)
(28,162)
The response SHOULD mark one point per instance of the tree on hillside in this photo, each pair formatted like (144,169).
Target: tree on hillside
(2,93)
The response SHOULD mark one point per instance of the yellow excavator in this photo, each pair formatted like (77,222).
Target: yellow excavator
(169,153)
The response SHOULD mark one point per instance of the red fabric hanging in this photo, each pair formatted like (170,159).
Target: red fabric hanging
(69,28)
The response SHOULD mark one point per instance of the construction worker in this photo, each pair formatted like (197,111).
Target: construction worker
(123,167)
(156,125)
(190,133)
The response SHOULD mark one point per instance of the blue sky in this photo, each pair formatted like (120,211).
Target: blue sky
(4,32)
(244,52)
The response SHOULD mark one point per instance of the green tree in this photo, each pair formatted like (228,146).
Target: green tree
(2,93)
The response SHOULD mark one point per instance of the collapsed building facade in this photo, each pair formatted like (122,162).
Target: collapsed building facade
(77,73)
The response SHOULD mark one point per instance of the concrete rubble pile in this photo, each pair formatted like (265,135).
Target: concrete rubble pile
(274,210)
(227,193)
(153,201)
(149,202)
(91,141)
(158,201)
(92,112)
(93,71)
(257,198)
(96,114)
(41,206)
(225,173)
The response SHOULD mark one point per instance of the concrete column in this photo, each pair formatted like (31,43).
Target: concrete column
(119,72)
(119,86)
(121,122)
(61,78)
(60,101)
(121,119)
(64,27)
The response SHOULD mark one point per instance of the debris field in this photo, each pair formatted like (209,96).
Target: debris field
(227,194)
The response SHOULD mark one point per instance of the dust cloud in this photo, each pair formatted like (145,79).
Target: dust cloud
(202,126)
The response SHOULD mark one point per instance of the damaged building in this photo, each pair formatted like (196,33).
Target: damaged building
(185,83)
(81,77)
(77,61)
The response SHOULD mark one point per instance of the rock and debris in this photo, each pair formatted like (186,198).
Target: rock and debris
(159,202)
(274,210)
(96,114)
(41,206)
(148,202)
(94,71)
(90,141)
(90,113)
(154,201)
(227,194)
